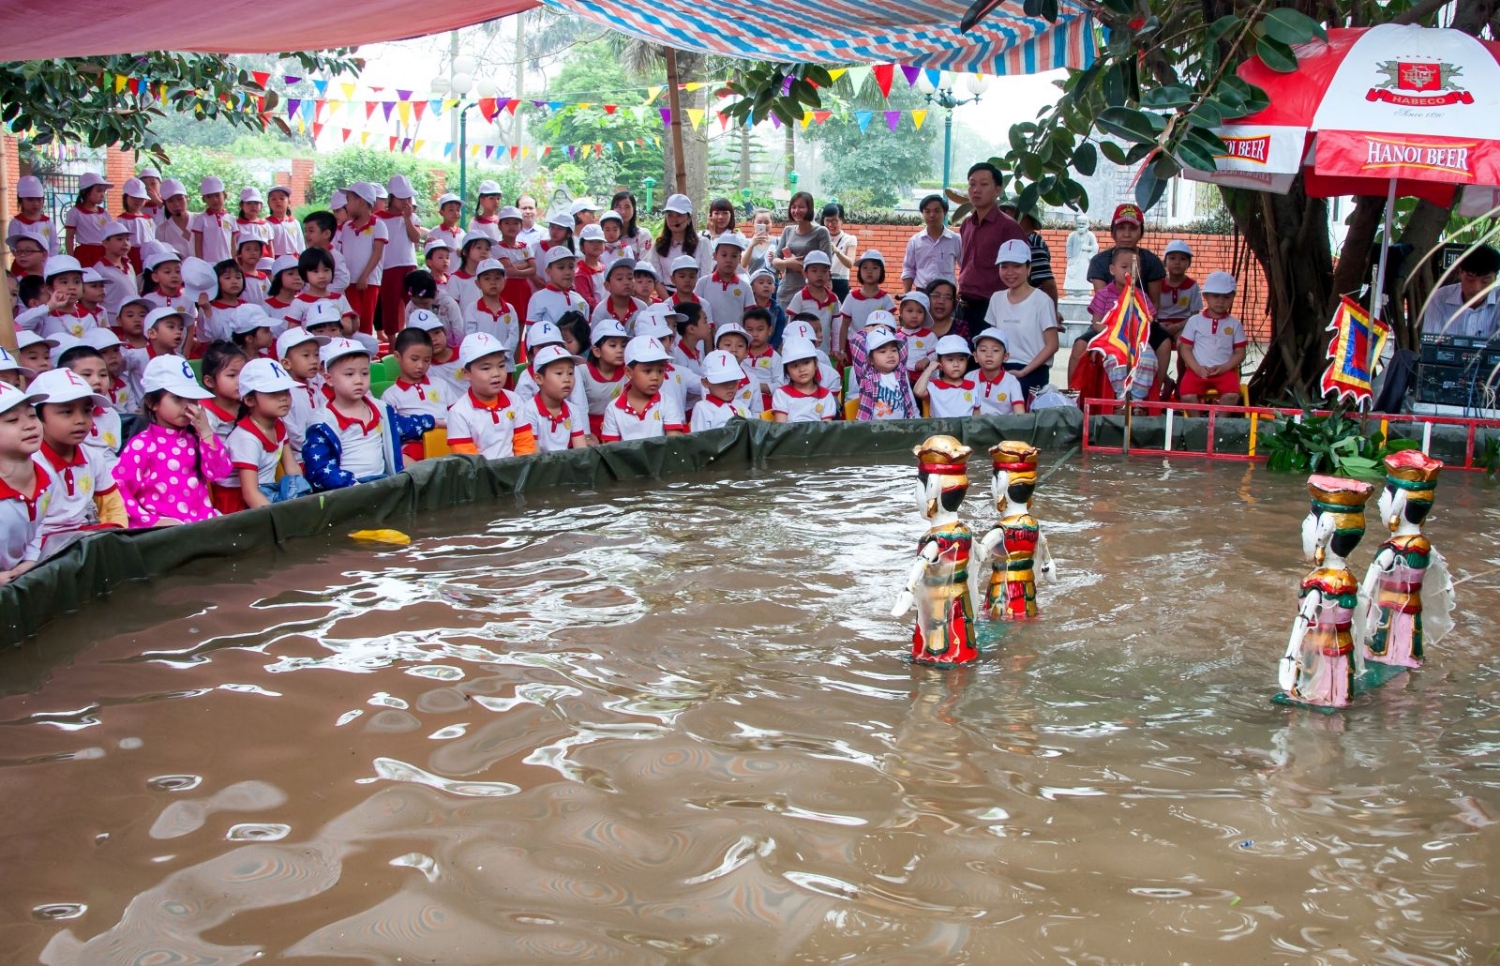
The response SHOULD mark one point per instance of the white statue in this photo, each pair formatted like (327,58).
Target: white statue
(1082,246)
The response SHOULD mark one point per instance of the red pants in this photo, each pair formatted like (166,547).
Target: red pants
(393,300)
(1227,383)
(363,303)
(226,499)
(88,255)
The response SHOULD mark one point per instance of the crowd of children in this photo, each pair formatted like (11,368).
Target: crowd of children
(498,346)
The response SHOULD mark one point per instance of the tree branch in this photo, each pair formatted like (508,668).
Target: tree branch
(1421,11)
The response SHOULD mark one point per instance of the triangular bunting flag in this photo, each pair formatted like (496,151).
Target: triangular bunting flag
(858,76)
(821,116)
(539,104)
(290,80)
(554,105)
(611,108)
(403,95)
(321,86)
(917,117)
(546,150)
(262,78)
(293,105)
(525,152)
(387,107)
(450,103)
(120,81)
(301,127)
(392,146)
(406,144)
(135,85)
(912,73)
(447,148)
(317,130)
(691,86)
(419,108)
(776,122)
(309,110)
(346,132)
(364,138)
(514,150)
(862,118)
(583,105)
(884,74)
(417,146)
(658,141)
(348,90)
(369,109)
(583,152)
(666,115)
(488,109)
(695,117)
(510,104)
(436,104)
(837,72)
(651,94)
(806,120)
(934,76)
(489,151)
(892,119)
(333,107)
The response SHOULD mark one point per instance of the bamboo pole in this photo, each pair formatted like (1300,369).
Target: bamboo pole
(7,320)
(674,104)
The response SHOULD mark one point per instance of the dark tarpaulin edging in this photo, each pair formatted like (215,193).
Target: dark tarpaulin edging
(100,564)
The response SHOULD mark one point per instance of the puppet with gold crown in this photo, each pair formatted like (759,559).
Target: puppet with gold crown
(1408,589)
(1322,659)
(1016,545)
(938,585)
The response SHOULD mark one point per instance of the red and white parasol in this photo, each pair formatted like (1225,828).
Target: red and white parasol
(1410,109)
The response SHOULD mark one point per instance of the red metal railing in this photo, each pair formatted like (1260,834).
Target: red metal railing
(1101,407)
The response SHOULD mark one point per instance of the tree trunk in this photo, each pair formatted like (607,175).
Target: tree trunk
(1289,236)
(791,151)
(1423,230)
(690,176)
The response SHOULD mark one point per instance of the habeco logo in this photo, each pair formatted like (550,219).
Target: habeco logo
(1386,153)
(1254,150)
(1413,83)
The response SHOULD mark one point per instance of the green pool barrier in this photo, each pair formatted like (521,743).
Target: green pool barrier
(116,562)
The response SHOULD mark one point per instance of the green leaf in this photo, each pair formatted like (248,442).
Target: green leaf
(1085,159)
(1221,27)
(1127,124)
(1195,156)
(1167,98)
(1291,26)
(1276,55)
(1207,115)
(1114,86)
(1149,188)
(1113,152)
(1123,7)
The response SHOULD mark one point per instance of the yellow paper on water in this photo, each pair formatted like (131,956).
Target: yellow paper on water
(395,537)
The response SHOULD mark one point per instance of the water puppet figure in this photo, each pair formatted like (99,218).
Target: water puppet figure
(1321,659)
(939,581)
(1400,622)
(1011,594)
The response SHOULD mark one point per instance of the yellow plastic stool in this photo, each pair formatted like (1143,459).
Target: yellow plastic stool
(435,443)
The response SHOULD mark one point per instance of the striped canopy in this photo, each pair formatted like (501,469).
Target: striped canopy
(918,33)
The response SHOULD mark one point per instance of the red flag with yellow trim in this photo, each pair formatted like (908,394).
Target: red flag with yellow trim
(1351,362)
(1127,329)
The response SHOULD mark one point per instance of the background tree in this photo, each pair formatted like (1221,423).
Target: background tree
(873,168)
(76,100)
(594,73)
(1163,79)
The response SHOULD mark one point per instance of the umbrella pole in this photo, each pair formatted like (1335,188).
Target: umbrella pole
(1377,300)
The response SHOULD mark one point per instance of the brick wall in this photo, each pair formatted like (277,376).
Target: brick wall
(439,179)
(301,182)
(12,174)
(1210,253)
(119,166)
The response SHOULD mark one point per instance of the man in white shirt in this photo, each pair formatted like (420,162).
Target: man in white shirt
(1451,311)
(933,252)
(530,232)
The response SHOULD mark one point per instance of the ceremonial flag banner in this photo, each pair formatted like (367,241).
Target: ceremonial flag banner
(1127,330)
(1349,373)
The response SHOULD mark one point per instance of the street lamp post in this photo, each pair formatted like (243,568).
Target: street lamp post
(650,184)
(942,95)
(458,83)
